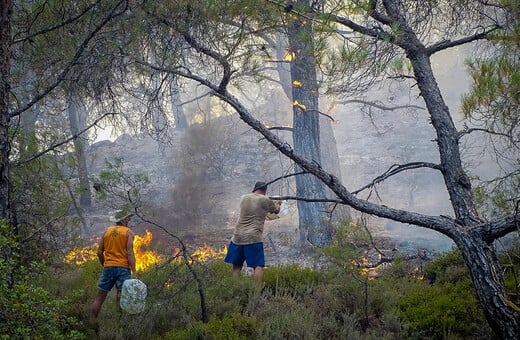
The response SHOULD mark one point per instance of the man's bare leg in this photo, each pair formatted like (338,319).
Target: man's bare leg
(236,269)
(118,299)
(258,275)
(98,302)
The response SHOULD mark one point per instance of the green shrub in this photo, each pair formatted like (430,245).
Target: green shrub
(510,260)
(26,310)
(437,312)
(296,322)
(446,309)
(232,327)
(293,277)
(448,268)
(231,295)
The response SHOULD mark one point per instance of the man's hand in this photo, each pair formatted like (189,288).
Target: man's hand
(277,205)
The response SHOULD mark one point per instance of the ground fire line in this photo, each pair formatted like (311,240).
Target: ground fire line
(145,258)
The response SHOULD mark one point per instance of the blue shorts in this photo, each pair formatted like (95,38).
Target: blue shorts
(252,254)
(113,276)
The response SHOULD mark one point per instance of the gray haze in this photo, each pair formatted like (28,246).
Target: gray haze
(369,142)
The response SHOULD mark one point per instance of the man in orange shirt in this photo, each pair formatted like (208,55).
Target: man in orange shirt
(116,255)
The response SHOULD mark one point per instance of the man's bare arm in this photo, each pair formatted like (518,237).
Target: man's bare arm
(130,251)
(100,251)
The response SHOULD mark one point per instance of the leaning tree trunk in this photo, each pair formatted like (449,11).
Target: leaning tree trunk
(487,278)
(313,221)
(479,256)
(6,10)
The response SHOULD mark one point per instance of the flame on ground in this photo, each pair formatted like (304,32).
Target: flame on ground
(144,259)
(206,253)
(79,256)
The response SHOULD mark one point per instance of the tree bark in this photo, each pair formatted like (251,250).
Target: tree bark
(479,255)
(313,217)
(330,162)
(77,124)
(6,11)
(486,275)
(180,121)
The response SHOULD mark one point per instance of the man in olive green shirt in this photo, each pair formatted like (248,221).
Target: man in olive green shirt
(246,243)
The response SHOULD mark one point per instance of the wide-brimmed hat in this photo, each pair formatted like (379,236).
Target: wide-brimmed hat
(260,186)
(120,215)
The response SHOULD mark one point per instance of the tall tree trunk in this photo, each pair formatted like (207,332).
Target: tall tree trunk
(478,253)
(77,118)
(29,118)
(6,11)
(328,146)
(178,112)
(313,216)
(158,122)
(28,125)
(330,162)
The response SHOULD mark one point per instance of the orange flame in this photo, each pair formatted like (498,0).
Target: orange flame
(416,273)
(300,105)
(79,256)
(289,56)
(205,253)
(367,269)
(297,83)
(147,258)
(144,259)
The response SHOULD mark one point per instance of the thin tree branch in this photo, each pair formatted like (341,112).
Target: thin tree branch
(442,45)
(200,285)
(54,146)
(379,106)
(74,60)
(194,99)
(287,176)
(395,169)
(47,224)
(305,199)
(281,128)
(226,67)
(467,131)
(376,33)
(321,113)
(57,26)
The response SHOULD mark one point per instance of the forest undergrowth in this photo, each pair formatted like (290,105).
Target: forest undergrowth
(203,301)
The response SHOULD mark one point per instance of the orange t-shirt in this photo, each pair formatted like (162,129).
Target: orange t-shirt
(114,246)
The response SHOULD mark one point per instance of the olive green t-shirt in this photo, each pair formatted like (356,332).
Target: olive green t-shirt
(250,225)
